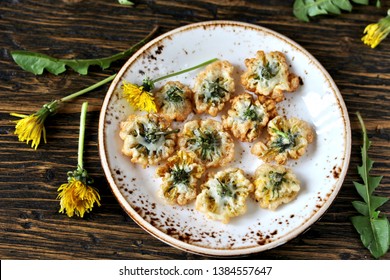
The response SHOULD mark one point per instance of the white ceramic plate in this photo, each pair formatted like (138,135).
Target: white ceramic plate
(321,170)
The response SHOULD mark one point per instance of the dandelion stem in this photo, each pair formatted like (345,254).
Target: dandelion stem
(185,70)
(88,89)
(83,116)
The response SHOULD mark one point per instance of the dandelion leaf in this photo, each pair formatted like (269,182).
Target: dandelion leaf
(304,9)
(372,227)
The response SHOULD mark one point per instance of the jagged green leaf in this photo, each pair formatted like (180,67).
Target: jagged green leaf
(373,228)
(36,63)
(304,9)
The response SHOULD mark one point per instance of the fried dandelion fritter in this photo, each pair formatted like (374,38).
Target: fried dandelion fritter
(289,138)
(268,74)
(173,101)
(147,139)
(224,195)
(246,118)
(180,176)
(206,138)
(213,87)
(275,185)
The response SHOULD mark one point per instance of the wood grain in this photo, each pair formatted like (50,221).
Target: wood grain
(30,225)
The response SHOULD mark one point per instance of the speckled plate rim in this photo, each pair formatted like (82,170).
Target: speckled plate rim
(211,251)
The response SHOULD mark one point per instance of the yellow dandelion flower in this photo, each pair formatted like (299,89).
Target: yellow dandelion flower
(77,198)
(139,97)
(376,32)
(30,128)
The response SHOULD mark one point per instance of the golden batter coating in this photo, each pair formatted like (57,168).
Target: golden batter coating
(213,87)
(268,74)
(173,101)
(224,195)
(288,139)
(180,176)
(275,185)
(246,118)
(269,104)
(148,139)
(206,138)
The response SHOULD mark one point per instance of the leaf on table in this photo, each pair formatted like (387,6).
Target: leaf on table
(36,63)
(374,228)
(304,9)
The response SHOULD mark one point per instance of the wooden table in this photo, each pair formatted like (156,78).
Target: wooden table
(30,225)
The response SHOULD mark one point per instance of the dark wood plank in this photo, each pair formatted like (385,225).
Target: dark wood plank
(30,225)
